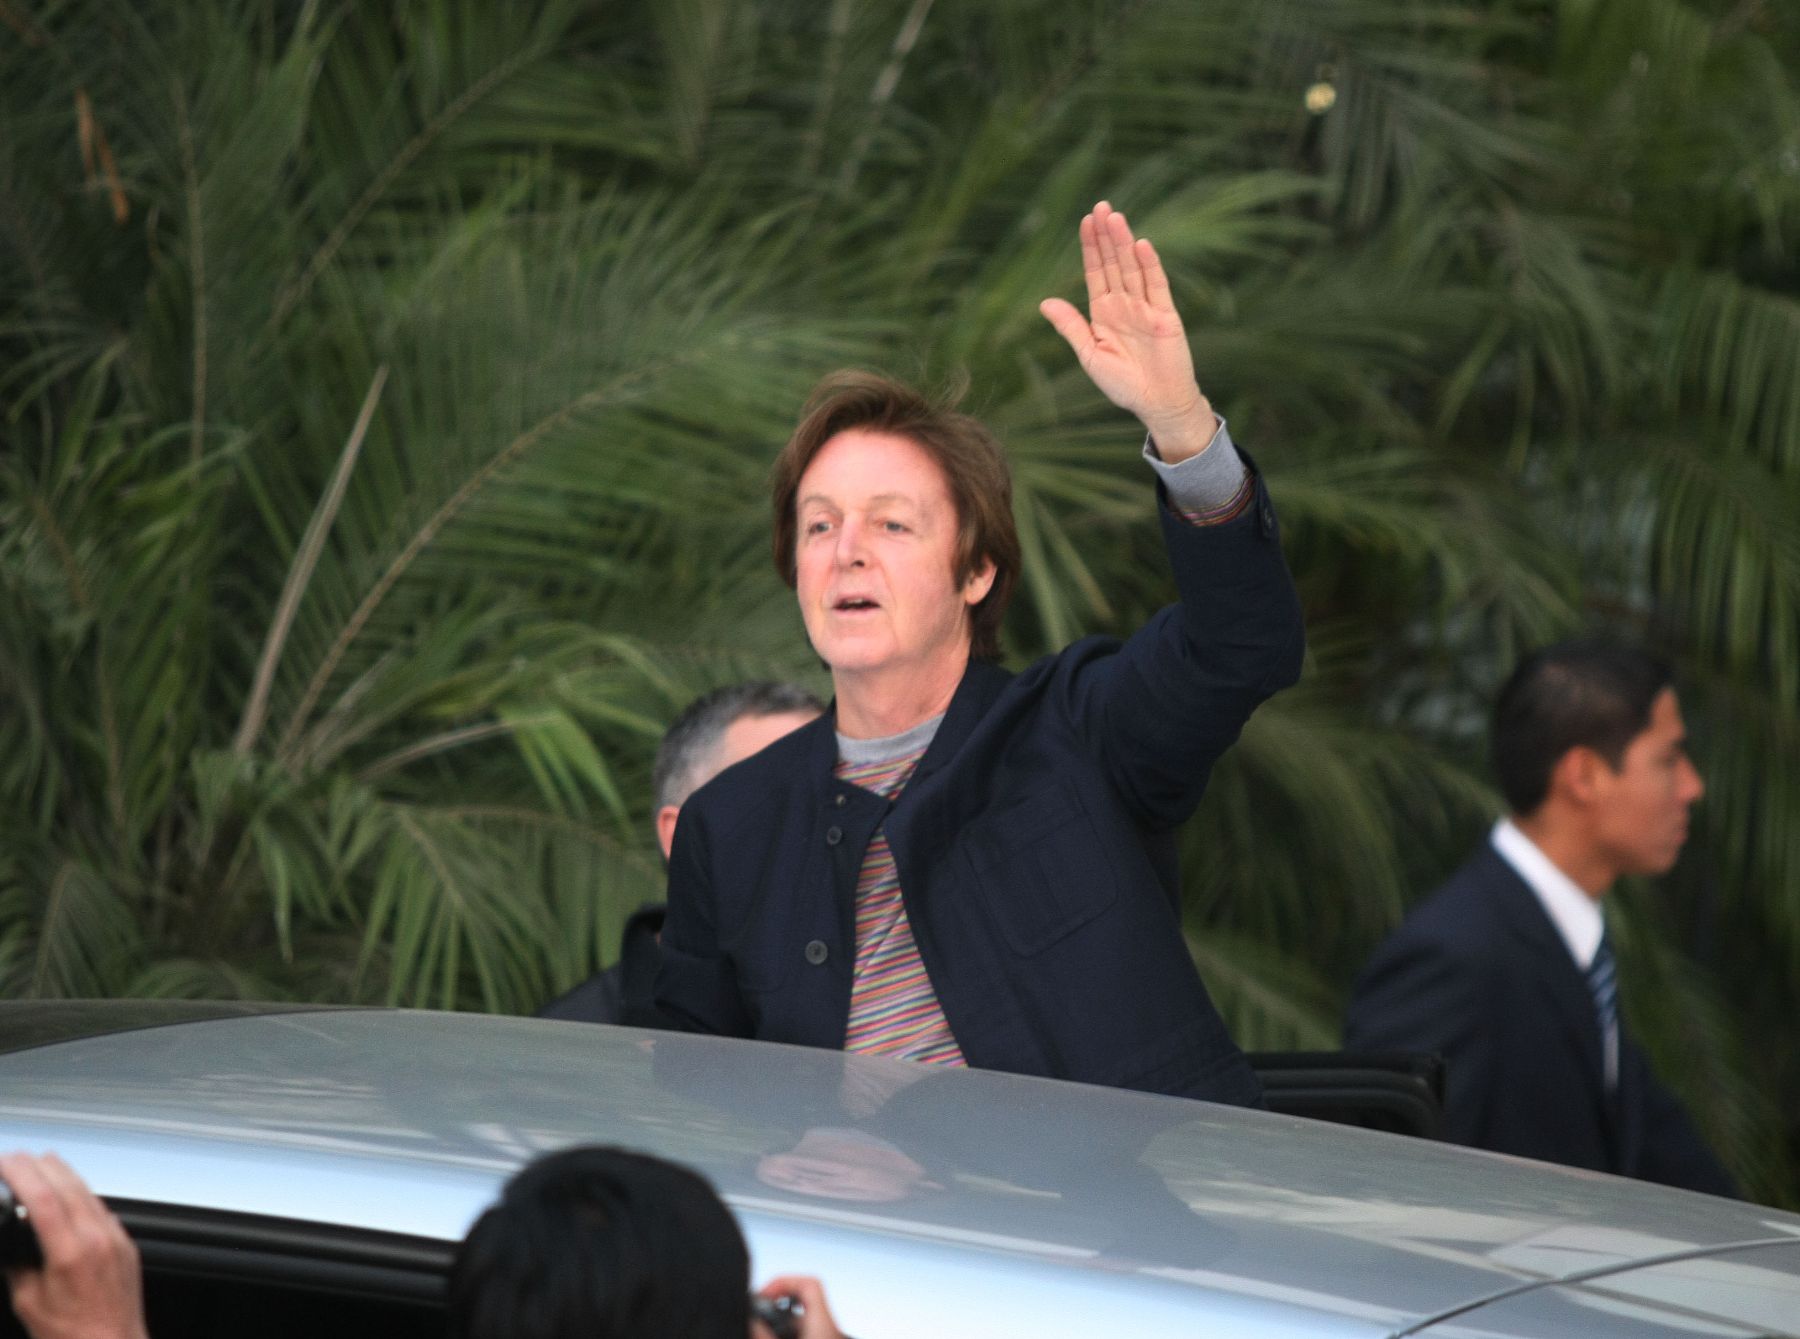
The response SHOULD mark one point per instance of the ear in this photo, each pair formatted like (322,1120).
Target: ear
(1579,775)
(665,827)
(979,582)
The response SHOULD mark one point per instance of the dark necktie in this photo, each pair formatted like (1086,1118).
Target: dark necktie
(1603,983)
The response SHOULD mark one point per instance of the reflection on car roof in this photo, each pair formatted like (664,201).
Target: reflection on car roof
(407,1122)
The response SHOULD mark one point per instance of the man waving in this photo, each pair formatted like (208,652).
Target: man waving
(957,864)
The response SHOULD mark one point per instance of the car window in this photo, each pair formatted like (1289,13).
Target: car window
(228,1275)
(201,1307)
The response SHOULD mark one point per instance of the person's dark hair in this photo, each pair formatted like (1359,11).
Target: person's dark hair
(1586,693)
(602,1243)
(688,745)
(971,457)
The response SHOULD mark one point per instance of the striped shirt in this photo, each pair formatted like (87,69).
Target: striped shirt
(1228,510)
(893,1009)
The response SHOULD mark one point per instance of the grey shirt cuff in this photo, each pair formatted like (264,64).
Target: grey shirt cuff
(1203,482)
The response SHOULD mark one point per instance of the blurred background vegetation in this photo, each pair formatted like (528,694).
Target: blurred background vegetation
(386,393)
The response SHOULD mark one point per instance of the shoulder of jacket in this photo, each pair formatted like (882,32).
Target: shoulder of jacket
(1461,914)
(785,766)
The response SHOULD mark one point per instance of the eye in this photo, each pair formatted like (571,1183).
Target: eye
(817,527)
(894,527)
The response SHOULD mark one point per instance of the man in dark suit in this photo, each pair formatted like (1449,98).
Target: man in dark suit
(1507,971)
(963,866)
(714,731)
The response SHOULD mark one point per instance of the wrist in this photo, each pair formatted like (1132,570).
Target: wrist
(1183,433)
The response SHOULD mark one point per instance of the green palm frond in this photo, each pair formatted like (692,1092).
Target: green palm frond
(75,940)
(1270,1000)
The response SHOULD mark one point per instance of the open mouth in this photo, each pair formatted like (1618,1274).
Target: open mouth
(855,604)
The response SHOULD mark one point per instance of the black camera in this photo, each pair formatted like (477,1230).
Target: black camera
(18,1243)
(781,1314)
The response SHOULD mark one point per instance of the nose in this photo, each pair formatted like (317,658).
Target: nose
(851,541)
(1693,787)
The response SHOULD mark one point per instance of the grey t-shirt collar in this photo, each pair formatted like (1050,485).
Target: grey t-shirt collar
(859,752)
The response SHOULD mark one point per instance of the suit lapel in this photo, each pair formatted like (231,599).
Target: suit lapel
(1561,986)
(981,683)
(926,820)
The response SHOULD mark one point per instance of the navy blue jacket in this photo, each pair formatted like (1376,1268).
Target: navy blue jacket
(1479,975)
(1035,846)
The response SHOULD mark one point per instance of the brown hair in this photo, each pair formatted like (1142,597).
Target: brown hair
(971,457)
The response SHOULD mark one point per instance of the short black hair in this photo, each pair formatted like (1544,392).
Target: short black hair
(1588,692)
(688,745)
(602,1243)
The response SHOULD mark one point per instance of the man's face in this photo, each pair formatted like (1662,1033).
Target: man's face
(1641,808)
(875,544)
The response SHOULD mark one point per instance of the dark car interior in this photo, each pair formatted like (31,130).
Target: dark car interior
(1401,1092)
(212,1274)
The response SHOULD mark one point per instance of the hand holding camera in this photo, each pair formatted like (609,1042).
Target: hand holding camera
(85,1283)
(794,1307)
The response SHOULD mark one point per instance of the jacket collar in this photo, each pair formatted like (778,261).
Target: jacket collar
(1520,910)
(981,683)
(1577,916)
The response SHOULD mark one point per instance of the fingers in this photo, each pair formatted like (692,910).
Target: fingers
(788,1285)
(1069,323)
(89,1283)
(1091,267)
(71,1222)
(63,1211)
(1113,261)
(1106,239)
(32,1187)
(817,1323)
(1156,279)
(91,1223)
(1131,271)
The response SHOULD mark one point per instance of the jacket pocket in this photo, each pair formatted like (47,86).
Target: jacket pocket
(1042,868)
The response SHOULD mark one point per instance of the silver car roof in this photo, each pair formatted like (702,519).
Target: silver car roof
(931,1200)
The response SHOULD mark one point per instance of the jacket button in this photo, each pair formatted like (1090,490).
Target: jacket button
(842,799)
(833,835)
(816,952)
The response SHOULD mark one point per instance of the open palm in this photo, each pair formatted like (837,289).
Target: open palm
(1132,343)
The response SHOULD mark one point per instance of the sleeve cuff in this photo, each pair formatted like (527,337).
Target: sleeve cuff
(1210,488)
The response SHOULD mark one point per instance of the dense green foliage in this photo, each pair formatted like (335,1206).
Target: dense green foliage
(386,393)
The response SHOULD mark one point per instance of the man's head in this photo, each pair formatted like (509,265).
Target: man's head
(964,464)
(600,1243)
(716,730)
(1590,733)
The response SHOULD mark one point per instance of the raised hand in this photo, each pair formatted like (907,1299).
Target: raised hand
(1131,343)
